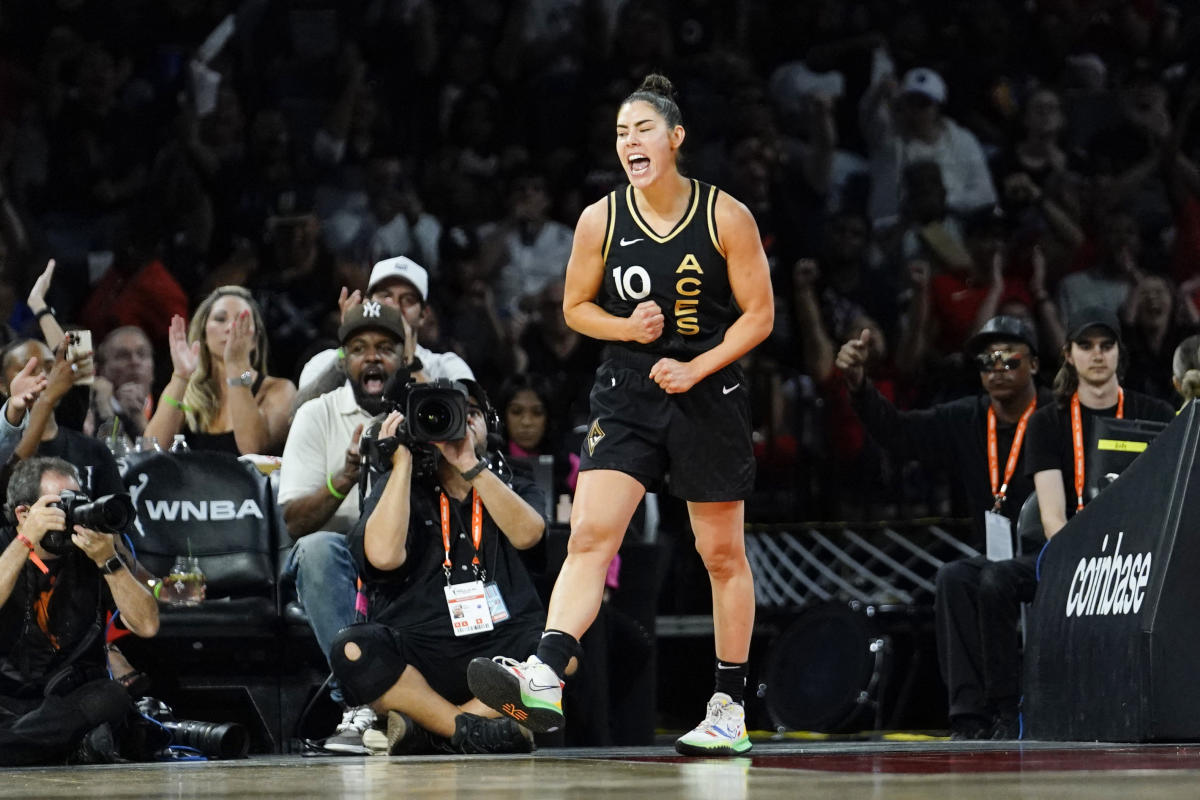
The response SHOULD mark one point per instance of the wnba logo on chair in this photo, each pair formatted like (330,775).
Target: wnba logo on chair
(1106,585)
(206,510)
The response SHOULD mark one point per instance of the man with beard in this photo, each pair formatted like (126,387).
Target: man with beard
(403,284)
(318,485)
(980,440)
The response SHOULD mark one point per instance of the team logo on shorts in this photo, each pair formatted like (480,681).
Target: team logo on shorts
(595,434)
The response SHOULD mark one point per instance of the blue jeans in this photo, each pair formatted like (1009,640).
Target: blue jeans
(326,577)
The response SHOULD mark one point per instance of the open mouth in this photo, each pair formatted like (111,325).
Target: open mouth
(372,379)
(638,164)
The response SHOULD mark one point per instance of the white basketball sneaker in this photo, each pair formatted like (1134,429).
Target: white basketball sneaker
(722,733)
(530,692)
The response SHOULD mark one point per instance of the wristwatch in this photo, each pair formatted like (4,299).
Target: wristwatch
(113,564)
(245,379)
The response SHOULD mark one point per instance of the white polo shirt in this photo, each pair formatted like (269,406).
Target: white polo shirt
(316,447)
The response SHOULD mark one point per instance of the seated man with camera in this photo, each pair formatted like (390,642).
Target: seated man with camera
(438,547)
(61,571)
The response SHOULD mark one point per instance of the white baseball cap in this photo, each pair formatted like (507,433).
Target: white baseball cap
(922,80)
(400,267)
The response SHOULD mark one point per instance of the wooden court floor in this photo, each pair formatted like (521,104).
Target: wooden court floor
(775,770)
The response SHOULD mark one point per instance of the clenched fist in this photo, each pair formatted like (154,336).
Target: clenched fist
(647,322)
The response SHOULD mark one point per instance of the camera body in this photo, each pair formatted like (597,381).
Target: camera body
(109,514)
(433,412)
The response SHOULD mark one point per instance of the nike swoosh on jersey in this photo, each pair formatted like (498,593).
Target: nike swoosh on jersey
(626,242)
(728,389)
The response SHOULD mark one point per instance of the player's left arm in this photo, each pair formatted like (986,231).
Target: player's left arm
(750,280)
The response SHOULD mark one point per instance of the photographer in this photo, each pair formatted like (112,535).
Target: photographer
(58,579)
(437,531)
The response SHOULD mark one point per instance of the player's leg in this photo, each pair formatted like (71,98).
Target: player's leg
(720,540)
(531,691)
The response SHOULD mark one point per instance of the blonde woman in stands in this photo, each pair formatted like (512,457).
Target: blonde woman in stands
(220,396)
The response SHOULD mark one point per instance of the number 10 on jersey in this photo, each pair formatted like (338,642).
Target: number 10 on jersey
(626,278)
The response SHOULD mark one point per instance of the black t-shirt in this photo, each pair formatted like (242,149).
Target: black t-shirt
(953,436)
(29,654)
(83,452)
(1049,440)
(413,597)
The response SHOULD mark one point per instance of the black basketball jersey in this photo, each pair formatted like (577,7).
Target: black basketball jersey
(683,271)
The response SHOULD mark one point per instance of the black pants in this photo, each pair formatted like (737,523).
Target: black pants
(47,730)
(978,605)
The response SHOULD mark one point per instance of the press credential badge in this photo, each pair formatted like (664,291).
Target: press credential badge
(468,606)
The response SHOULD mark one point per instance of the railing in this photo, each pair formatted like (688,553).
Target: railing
(882,563)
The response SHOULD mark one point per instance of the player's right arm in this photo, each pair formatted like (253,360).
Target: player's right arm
(585,276)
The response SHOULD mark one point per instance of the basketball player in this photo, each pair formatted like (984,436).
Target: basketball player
(671,273)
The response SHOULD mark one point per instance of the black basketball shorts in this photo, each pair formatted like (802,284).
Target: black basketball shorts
(696,444)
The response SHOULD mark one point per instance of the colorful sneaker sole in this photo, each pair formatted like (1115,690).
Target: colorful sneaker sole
(499,689)
(717,748)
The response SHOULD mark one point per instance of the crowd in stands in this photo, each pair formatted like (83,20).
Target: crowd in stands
(915,168)
(215,189)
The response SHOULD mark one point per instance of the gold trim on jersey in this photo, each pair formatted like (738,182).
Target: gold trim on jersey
(712,219)
(611,225)
(683,223)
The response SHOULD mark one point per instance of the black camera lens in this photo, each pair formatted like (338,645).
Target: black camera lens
(215,740)
(109,514)
(437,412)
(435,417)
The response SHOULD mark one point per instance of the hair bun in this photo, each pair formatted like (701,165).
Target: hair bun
(658,84)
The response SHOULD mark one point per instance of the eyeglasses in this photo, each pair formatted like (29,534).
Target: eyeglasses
(998,360)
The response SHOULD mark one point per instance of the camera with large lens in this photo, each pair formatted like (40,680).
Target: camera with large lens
(109,514)
(213,739)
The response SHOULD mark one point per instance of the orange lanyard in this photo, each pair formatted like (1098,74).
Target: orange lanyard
(476,531)
(1077,440)
(999,490)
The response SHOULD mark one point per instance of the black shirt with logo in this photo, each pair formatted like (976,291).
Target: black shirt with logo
(683,270)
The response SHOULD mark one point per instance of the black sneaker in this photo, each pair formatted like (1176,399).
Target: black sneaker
(1006,726)
(407,738)
(969,727)
(474,734)
(98,746)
